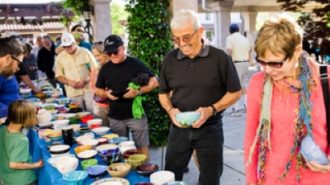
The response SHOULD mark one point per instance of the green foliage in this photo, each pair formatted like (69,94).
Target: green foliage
(118,18)
(77,6)
(316,23)
(150,41)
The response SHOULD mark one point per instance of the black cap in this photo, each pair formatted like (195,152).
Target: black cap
(111,43)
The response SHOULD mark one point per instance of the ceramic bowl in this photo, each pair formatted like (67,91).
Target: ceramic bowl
(63,101)
(87,154)
(82,148)
(87,163)
(144,183)
(110,157)
(137,160)
(102,140)
(45,125)
(111,181)
(312,152)
(130,152)
(107,149)
(126,145)
(64,164)
(75,177)
(117,140)
(94,123)
(25,91)
(101,130)
(83,138)
(186,119)
(175,183)
(109,136)
(59,149)
(66,116)
(49,106)
(147,169)
(82,114)
(162,177)
(59,124)
(96,170)
(91,142)
(119,169)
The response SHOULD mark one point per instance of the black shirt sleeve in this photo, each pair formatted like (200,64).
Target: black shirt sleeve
(229,74)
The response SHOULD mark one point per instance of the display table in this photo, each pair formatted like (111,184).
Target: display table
(48,175)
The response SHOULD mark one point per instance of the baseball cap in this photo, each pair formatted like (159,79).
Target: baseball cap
(67,39)
(111,43)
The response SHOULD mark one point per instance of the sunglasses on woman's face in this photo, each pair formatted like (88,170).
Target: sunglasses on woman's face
(271,64)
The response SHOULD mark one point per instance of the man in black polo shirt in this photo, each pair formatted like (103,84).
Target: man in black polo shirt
(112,83)
(196,77)
(46,58)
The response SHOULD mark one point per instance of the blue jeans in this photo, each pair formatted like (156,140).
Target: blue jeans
(208,143)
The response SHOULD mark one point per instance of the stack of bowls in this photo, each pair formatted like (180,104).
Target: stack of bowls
(59,150)
(162,177)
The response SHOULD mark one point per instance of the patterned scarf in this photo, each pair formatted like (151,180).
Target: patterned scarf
(303,122)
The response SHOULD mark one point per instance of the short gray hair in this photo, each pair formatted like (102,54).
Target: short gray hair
(184,16)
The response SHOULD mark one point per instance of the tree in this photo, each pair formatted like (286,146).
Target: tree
(150,40)
(118,18)
(315,23)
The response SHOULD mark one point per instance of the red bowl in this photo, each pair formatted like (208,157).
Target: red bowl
(87,118)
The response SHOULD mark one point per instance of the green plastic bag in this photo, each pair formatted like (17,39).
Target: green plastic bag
(137,108)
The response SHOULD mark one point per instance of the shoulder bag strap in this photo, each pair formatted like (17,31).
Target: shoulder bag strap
(326,96)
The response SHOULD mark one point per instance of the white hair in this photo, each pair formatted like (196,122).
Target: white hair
(184,16)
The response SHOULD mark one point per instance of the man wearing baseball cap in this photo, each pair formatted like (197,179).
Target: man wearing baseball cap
(113,83)
(72,68)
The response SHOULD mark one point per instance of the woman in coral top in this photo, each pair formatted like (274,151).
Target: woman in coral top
(285,103)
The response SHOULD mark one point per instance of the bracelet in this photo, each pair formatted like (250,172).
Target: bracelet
(214,110)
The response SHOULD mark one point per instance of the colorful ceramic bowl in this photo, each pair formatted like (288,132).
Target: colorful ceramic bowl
(186,119)
(87,163)
(75,177)
(96,170)
(119,169)
(137,160)
(147,169)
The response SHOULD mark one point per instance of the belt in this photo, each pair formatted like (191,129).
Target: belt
(240,61)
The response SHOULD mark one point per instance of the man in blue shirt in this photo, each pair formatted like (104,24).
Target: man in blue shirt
(11,54)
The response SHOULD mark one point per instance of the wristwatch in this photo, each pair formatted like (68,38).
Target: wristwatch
(214,110)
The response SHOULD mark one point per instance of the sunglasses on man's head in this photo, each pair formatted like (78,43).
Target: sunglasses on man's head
(271,63)
(185,38)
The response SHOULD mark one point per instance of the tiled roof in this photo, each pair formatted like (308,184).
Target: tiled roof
(29,27)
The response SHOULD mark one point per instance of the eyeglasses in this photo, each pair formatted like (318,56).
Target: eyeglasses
(16,59)
(185,38)
(271,63)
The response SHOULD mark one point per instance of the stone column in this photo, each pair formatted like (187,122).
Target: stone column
(223,22)
(176,5)
(102,19)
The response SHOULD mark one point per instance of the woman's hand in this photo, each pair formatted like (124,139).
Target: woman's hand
(316,167)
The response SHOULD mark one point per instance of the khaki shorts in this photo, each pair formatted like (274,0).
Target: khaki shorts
(138,127)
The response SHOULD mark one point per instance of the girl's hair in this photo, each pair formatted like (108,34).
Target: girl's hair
(183,17)
(280,36)
(99,46)
(22,112)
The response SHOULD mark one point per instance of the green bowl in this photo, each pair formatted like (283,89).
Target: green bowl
(87,163)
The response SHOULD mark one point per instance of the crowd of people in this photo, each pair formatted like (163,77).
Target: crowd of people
(194,76)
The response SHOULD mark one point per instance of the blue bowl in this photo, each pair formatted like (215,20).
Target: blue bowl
(96,170)
(75,177)
(117,140)
(186,119)
(312,152)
